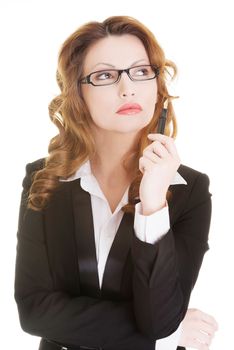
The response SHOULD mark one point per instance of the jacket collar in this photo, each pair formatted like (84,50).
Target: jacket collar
(89,183)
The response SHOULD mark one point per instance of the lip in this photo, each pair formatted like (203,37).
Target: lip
(130,111)
(127,107)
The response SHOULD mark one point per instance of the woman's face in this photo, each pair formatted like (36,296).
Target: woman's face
(104,101)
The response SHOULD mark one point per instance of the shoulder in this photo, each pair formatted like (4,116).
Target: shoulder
(30,168)
(187,200)
(193,176)
(36,164)
(197,189)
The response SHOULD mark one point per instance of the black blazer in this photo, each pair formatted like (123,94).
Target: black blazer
(146,287)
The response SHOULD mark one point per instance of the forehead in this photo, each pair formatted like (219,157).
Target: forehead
(120,51)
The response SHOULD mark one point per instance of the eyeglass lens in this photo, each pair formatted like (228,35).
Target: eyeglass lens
(110,76)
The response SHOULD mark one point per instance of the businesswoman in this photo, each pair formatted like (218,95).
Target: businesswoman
(112,227)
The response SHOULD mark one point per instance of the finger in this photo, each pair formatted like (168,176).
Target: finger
(157,148)
(160,149)
(146,164)
(195,343)
(210,320)
(167,141)
(152,156)
(202,337)
(207,327)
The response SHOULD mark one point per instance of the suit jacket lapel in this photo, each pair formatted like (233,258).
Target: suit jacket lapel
(84,232)
(87,260)
(115,265)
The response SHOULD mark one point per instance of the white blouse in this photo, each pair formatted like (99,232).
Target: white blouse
(148,228)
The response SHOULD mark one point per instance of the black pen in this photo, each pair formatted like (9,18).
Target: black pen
(162,119)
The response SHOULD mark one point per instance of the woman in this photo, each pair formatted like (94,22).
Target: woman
(112,228)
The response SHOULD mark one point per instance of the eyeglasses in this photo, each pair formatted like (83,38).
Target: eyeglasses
(112,76)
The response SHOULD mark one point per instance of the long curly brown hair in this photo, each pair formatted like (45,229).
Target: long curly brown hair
(74,144)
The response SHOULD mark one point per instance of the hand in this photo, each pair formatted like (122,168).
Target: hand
(158,164)
(198,330)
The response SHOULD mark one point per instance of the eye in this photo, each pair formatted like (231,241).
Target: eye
(145,71)
(103,76)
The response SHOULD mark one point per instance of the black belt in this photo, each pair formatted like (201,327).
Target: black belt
(57,346)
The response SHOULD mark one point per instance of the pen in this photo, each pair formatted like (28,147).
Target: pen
(162,119)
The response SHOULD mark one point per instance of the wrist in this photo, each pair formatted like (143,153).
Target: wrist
(146,210)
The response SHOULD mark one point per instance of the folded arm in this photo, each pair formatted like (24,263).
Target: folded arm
(166,271)
(55,314)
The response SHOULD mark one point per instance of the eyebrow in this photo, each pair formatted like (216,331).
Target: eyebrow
(108,64)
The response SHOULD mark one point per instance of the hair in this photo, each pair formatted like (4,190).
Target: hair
(74,144)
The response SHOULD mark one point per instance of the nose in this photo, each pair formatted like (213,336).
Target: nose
(126,85)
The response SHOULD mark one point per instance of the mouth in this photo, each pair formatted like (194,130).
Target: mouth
(129,111)
(129,108)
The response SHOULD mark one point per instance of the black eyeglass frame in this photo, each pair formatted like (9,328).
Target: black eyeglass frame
(87,80)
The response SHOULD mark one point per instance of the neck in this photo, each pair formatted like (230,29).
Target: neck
(111,150)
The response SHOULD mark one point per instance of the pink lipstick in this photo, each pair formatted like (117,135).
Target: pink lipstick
(129,108)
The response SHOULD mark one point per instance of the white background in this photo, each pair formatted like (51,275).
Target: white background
(197,36)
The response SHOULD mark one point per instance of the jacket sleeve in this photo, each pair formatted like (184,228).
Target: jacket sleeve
(165,272)
(54,314)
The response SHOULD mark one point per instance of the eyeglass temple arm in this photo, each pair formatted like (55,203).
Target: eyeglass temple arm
(85,80)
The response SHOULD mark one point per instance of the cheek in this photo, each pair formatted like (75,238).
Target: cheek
(101,101)
(147,93)
(153,93)
(90,98)
(150,99)
(101,104)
